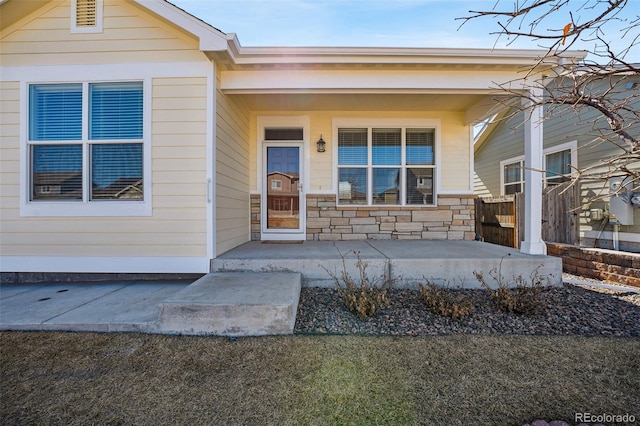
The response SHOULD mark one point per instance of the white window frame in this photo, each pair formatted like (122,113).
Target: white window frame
(503,163)
(569,146)
(85,207)
(284,121)
(75,29)
(572,146)
(399,123)
(266,121)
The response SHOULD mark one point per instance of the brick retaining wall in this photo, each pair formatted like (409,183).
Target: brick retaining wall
(620,267)
(452,219)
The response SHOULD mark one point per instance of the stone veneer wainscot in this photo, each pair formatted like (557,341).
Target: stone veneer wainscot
(452,219)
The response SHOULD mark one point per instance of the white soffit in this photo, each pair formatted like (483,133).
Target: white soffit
(379,81)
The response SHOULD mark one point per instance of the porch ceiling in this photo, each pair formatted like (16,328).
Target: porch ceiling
(361,102)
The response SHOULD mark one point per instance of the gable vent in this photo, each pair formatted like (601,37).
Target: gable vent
(86,13)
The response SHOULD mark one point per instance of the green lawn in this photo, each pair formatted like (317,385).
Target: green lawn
(85,378)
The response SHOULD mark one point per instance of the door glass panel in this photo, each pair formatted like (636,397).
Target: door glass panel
(283,188)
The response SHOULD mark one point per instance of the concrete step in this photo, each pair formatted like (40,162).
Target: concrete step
(234,304)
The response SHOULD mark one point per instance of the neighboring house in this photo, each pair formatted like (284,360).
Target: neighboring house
(570,144)
(138,138)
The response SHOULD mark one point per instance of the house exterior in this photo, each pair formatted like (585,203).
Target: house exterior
(570,143)
(137,138)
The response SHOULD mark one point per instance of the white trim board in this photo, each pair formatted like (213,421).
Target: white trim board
(109,72)
(94,264)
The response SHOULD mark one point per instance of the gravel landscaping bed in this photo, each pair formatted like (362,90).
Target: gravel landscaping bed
(569,310)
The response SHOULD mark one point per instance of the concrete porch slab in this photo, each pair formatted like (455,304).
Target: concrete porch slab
(312,259)
(453,263)
(407,261)
(232,304)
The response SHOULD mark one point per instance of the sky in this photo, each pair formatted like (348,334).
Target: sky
(382,23)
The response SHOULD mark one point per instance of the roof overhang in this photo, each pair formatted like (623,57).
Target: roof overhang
(300,72)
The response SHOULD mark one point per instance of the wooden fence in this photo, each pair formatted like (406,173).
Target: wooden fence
(500,220)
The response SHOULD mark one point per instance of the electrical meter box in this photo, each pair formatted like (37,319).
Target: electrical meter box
(620,207)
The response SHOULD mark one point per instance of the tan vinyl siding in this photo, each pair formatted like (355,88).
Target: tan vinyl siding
(10,152)
(129,35)
(455,149)
(232,172)
(178,224)
(455,155)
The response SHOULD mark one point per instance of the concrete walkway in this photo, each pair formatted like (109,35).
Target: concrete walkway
(89,306)
(253,289)
(220,304)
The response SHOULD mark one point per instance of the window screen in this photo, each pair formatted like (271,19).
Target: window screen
(93,168)
(55,112)
(399,171)
(115,110)
(56,172)
(116,171)
(513,178)
(386,147)
(352,147)
(420,144)
(558,167)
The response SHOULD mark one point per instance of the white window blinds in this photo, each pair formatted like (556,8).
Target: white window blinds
(55,112)
(115,110)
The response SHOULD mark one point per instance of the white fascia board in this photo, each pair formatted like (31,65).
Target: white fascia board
(378,55)
(260,81)
(211,39)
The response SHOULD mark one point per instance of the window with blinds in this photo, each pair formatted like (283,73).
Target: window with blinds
(111,144)
(388,166)
(55,112)
(115,111)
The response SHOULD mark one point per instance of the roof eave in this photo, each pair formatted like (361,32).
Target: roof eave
(215,43)
(381,55)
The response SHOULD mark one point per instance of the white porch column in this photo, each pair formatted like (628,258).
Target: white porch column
(533,147)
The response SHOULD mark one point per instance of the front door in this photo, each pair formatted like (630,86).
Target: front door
(283,209)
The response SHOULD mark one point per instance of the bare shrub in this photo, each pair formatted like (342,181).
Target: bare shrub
(362,295)
(444,301)
(524,297)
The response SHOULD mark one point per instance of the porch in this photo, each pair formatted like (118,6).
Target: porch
(254,288)
(445,262)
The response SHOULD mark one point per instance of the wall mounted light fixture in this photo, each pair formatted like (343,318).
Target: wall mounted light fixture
(321,144)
